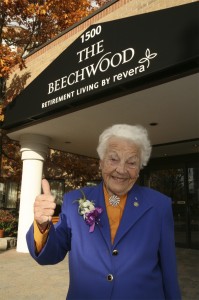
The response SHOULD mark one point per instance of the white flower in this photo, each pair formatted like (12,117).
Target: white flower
(85,206)
(81,201)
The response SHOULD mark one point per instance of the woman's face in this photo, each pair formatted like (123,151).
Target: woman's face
(120,166)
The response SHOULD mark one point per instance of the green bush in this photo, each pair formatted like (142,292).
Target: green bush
(9,222)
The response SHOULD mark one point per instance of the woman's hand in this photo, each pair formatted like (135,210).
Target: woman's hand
(44,206)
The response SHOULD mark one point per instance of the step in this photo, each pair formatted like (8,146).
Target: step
(7,243)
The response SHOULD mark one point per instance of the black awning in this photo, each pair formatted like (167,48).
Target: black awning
(111,59)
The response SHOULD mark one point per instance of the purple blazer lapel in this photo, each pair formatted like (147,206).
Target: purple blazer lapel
(135,208)
(103,226)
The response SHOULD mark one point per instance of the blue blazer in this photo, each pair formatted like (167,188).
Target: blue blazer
(139,265)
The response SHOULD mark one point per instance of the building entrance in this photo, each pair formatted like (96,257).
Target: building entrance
(179,179)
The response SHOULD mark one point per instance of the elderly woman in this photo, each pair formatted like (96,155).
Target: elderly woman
(119,235)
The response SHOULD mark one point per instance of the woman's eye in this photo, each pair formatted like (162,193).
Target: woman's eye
(132,163)
(113,159)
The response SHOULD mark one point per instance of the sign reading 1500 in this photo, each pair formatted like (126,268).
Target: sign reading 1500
(91,33)
(106,60)
(93,49)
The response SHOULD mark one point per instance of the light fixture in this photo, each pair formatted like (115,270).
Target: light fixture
(153,124)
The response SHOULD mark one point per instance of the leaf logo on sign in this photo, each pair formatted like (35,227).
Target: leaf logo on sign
(147,57)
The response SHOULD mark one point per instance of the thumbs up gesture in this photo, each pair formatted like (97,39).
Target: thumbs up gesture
(44,206)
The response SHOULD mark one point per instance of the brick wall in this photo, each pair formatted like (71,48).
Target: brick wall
(40,59)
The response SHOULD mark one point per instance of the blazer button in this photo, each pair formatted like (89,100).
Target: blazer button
(115,252)
(109,277)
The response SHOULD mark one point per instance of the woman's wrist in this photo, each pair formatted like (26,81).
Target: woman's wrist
(42,227)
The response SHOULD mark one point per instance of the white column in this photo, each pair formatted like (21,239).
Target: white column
(34,149)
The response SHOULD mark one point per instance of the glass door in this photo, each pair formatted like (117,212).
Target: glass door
(171,182)
(178,179)
(193,206)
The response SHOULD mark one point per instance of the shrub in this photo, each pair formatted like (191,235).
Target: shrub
(9,222)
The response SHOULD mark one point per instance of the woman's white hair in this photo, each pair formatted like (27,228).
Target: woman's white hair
(136,134)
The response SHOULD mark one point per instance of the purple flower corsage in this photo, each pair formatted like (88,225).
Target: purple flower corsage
(90,213)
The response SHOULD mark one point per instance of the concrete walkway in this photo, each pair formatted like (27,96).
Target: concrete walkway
(22,278)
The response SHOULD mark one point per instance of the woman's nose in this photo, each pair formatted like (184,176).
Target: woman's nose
(121,168)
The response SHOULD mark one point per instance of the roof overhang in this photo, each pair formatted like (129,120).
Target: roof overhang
(139,69)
